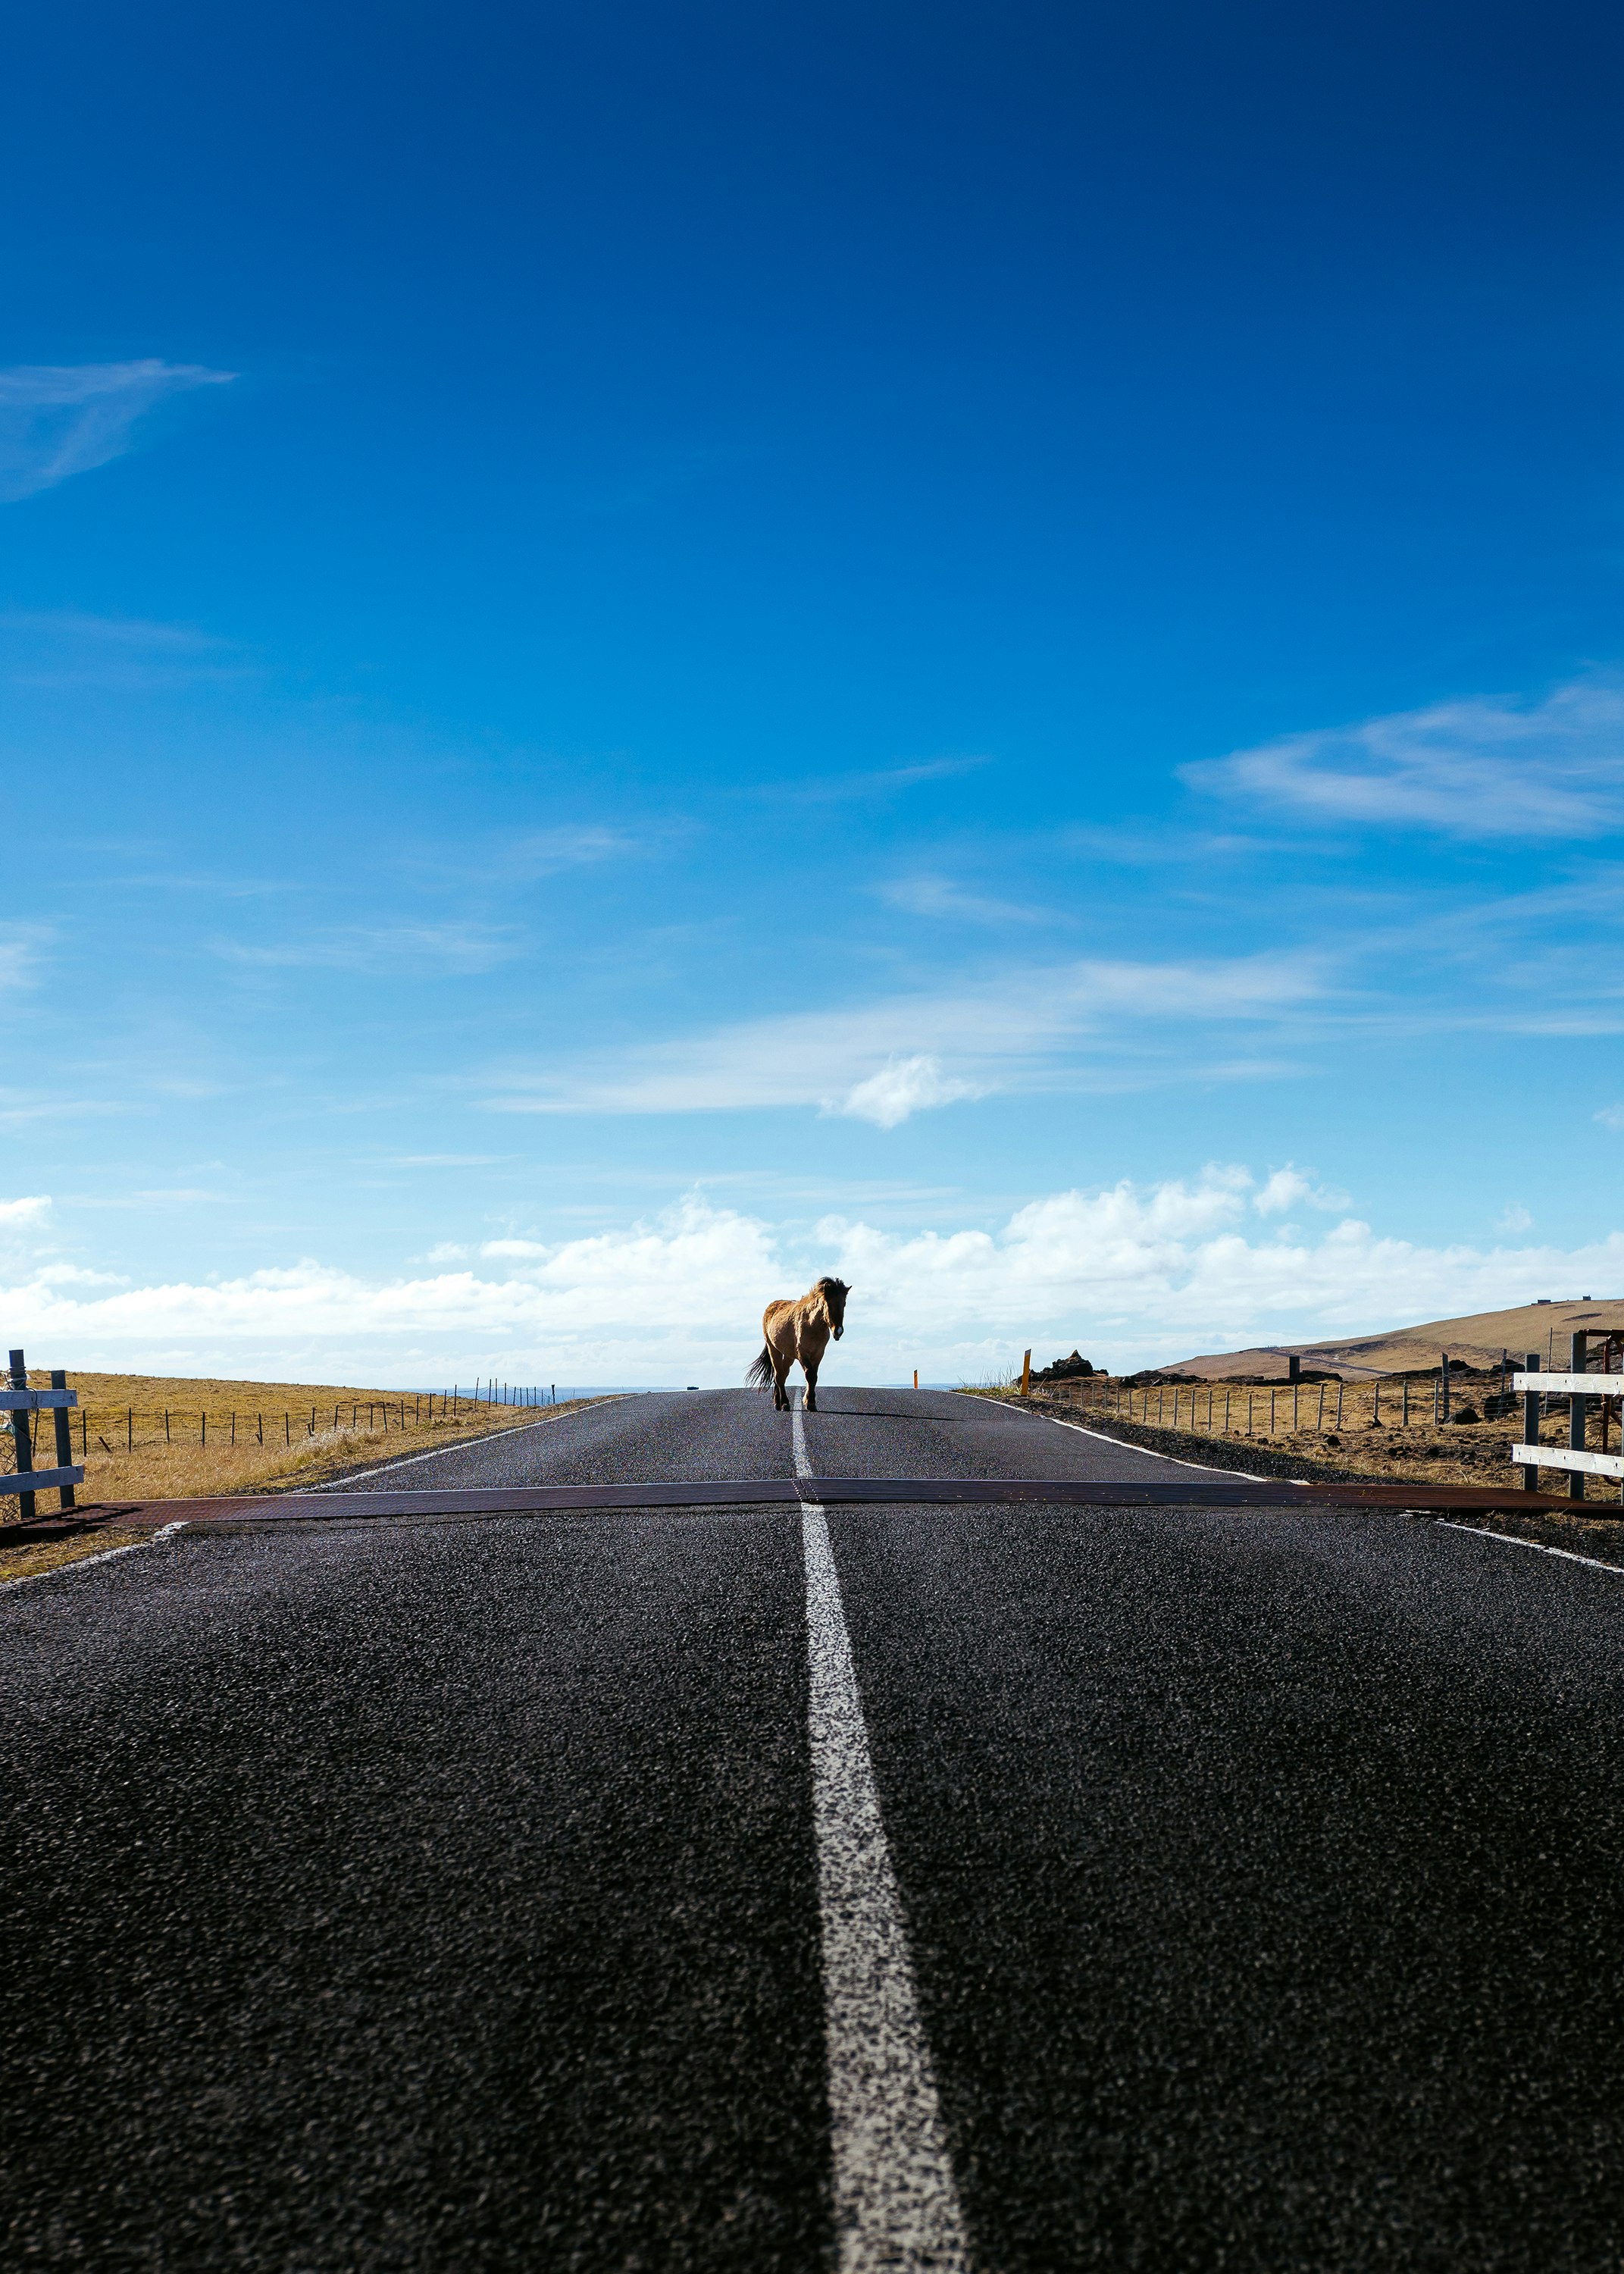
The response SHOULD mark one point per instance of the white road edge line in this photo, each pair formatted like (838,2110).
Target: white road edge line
(1126,1444)
(896,2204)
(460,1446)
(84,1563)
(1511,1539)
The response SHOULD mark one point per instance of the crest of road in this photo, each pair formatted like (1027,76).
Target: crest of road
(914,1834)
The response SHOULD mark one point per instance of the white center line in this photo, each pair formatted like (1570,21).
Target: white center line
(896,2205)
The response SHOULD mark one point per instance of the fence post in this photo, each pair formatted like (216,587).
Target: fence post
(1530,1426)
(1576,1416)
(22,1436)
(1025,1376)
(64,1436)
(1444,1381)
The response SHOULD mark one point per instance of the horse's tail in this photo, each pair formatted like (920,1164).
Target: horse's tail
(760,1376)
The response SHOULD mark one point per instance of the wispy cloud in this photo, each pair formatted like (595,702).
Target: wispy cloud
(1483,769)
(382,949)
(16,1216)
(1128,846)
(929,895)
(19,951)
(58,420)
(543,852)
(885,1061)
(818,789)
(444,1160)
(66,647)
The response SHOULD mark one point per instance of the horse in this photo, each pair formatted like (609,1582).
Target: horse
(799,1332)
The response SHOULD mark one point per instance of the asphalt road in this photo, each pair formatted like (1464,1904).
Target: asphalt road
(447,1893)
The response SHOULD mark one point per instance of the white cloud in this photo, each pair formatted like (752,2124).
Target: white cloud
(1611,1116)
(1478,769)
(1003,1032)
(904,1087)
(1513,1219)
(1285,1187)
(56,420)
(20,1214)
(1128,1273)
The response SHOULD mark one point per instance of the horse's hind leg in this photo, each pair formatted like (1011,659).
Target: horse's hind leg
(780,1377)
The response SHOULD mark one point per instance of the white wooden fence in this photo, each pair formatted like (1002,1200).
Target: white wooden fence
(1578,1385)
(21,1403)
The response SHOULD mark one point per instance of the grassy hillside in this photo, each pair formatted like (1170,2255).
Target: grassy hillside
(1479,1339)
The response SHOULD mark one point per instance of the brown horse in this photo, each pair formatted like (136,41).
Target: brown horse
(799,1332)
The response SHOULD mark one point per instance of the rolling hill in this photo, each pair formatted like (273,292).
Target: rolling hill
(1479,1339)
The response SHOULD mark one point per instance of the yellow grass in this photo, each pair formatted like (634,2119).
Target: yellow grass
(129,1456)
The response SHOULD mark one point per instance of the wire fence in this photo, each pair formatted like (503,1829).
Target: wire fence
(128,1429)
(1441,1397)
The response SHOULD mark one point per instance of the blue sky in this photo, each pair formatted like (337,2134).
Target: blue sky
(644,650)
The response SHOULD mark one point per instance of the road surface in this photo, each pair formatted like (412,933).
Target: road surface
(1000,1886)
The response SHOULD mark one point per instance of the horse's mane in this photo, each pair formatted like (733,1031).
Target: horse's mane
(828,1286)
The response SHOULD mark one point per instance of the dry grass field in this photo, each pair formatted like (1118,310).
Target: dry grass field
(1336,1426)
(145,1437)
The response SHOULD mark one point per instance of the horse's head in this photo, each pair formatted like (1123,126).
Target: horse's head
(834,1292)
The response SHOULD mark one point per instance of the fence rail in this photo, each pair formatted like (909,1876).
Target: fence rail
(19,1402)
(1578,1385)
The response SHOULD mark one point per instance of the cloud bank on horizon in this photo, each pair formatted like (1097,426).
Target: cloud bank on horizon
(1130,1274)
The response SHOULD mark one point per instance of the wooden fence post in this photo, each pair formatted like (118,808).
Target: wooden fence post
(1575,1415)
(1443,1379)
(64,1435)
(1530,1426)
(22,1436)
